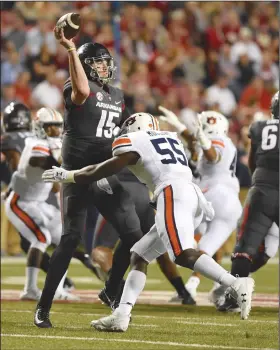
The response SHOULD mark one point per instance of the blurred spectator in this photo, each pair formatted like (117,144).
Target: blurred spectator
(220,94)
(10,68)
(16,34)
(39,35)
(7,95)
(47,94)
(22,88)
(245,44)
(41,64)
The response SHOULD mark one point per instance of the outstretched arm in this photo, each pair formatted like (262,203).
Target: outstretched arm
(91,173)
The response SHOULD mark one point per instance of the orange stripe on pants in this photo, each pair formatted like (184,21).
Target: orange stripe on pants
(170,221)
(29,222)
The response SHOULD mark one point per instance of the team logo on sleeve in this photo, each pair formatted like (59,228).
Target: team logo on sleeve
(99,96)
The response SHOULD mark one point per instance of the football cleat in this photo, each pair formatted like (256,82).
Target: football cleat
(242,290)
(217,295)
(229,305)
(41,318)
(31,294)
(64,295)
(104,297)
(116,322)
(186,299)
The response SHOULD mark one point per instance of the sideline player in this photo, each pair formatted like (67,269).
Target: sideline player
(157,158)
(261,207)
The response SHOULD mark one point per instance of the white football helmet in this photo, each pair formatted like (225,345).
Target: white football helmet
(44,117)
(140,122)
(213,123)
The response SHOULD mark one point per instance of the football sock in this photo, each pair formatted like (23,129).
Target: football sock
(192,283)
(31,278)
(210,269)
(45,262)
(121,261)
(134,285)
(178,284)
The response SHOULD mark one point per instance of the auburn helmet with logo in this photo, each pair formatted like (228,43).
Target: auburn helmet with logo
(46,117)
(16,116)
(139,122)
(89,55)
(214,123)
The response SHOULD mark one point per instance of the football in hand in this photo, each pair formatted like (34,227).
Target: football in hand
(70,24)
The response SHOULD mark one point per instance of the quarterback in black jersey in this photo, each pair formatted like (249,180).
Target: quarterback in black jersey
(93,108)
(261,208)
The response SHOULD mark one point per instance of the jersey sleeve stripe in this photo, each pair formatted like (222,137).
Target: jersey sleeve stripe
(121,146)
(121,142)
(44,150)
(218,143)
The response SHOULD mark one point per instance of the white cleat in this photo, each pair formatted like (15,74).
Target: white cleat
(242,290)
(64,295)
(113,323)
(176,299)
(32,294)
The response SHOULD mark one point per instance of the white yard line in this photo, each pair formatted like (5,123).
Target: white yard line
(118,340)
(12,260)
(178,319)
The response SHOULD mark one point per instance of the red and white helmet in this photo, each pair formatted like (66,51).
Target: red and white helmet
(46,116)
(213,123)
(140,122)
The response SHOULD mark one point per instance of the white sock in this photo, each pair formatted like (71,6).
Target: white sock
(31,278)
(61,283)
(133,287)
(193,282)
(210,269)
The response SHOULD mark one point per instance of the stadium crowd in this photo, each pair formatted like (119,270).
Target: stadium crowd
(186,56)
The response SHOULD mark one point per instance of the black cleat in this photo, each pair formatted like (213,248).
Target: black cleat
(230,305)
(105,298)
(41,318)
(187,299)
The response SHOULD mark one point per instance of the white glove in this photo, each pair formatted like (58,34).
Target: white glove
(58,175)
(202,139)
(171,119)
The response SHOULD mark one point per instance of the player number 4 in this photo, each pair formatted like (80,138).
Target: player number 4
(106,125)
(269,137)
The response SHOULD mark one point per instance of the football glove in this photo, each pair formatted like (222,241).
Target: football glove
(58,175)
(202,139)
(171,118)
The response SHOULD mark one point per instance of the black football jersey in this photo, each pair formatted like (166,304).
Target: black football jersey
(88,128)
(14,140)
(265,143)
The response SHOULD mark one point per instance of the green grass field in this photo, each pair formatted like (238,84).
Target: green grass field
(153,326)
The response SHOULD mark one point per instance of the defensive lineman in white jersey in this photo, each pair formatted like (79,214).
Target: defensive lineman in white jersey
(157,158)
(216,166)
(26,206)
